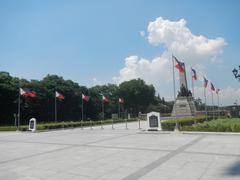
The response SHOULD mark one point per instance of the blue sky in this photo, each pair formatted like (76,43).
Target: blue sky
(88,41)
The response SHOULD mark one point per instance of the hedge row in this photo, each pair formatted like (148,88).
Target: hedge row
(62,125)
(169,125)
(220,125)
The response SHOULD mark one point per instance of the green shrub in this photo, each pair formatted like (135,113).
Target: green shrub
(220,125)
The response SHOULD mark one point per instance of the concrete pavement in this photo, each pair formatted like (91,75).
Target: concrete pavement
(118,154)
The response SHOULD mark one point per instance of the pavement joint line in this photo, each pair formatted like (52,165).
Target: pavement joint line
(55,150)
(148,168)
(211,154)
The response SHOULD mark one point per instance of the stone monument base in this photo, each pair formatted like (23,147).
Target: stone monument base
(184,107)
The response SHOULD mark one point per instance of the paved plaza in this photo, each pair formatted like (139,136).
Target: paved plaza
(118,154)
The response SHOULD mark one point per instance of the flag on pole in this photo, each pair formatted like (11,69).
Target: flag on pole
(212,87)
(205,82)
(121,100)
(217,90)
(105,99)
(194,74)
(27,93)
(179,65)
(59,96)
(85,98)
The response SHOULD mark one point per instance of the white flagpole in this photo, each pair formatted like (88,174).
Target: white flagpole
(103,114)
(55,107)
(218,106)
(205,100)
(212,105)
(82,114)
(192,84)
(119,110)
(19,109)
(174,93)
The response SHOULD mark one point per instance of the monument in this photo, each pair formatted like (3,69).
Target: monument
(153,121)
(184,104)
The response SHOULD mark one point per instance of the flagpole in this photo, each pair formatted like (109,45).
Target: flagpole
(174,93)
(218,106)
(19,109)
(82,115)
(55,107)
(103,114)
(119,110)
(212,105)
(192,85)
(205,99)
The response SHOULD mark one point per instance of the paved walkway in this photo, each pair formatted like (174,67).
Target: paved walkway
(118,154)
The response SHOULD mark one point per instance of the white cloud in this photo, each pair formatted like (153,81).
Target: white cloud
(142,33)
(177,38)
(95,81)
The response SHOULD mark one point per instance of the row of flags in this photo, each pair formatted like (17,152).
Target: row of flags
(181,68)
(59,96)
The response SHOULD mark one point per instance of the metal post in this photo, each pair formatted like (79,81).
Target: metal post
(19,110)
(139,125)
(218,107)
(103,114)
(205,100)
(174,93)
(212,106)
(55,108)
(192,85)
(112,124)
(82,116)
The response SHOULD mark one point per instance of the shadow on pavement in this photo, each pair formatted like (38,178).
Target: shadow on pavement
(233,170)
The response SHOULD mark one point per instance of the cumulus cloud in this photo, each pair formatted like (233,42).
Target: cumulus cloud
(149,70)
(176,38)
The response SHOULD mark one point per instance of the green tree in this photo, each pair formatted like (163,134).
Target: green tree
(138,96)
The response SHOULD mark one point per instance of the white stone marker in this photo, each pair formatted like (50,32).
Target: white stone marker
(32,125)
(153,121)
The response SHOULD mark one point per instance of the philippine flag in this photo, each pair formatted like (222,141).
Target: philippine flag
(27,93)
(194,74)
(205,82)
(121,100)
(59,96)
(105,99)
(85,98)
(179,65)
(212,87)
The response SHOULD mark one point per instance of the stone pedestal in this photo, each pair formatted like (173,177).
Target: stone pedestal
(184,107)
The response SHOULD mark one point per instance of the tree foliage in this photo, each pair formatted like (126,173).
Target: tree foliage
(137,95)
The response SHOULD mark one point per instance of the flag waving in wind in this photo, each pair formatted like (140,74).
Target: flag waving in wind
(205,82)
(121,100)
(194,74)
(212,87)
(59,96)
(179,65)
(85,98)
(105,99)
(27,93)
